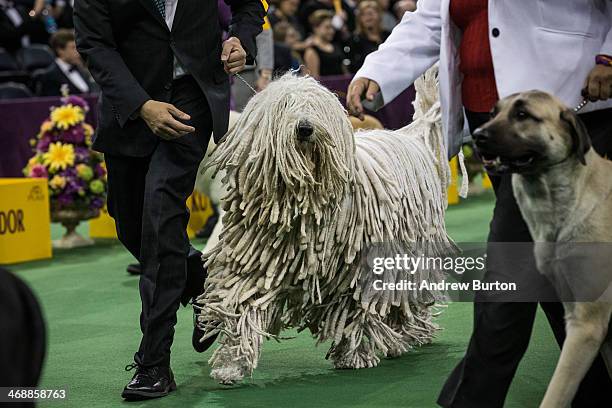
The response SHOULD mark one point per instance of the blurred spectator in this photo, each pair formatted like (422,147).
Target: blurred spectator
(286,11)
(286,57)
(342,13)
(62,12)
(388,19)
(22,335)
(324,57)
(66,70)
(20,25)
(369,34)
(401,7)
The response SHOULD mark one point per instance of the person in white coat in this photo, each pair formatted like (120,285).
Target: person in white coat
(487,50)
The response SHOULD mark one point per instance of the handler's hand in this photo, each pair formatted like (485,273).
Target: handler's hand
(162,118)
(233,56)
(599,83)
(356,90)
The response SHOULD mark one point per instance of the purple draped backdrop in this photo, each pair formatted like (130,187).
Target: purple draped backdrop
(20,121)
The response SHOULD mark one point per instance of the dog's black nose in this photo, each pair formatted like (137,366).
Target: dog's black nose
(480,134)
(304,130)
(480,137)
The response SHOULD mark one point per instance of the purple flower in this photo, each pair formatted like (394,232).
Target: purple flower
(43,143)
(56,136)
(96,203)
(76,101)
(65,199)
(81,153)
(73,186)
(100,170)
(69,173)
(75,134)
(39,171)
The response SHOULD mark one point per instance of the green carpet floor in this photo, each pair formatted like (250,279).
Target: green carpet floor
(92,307)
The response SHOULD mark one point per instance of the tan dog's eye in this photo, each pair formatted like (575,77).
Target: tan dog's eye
(521,114)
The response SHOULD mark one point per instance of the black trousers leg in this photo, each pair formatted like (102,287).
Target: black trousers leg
(147,200)
(502,330)
(165,245)
(126,182)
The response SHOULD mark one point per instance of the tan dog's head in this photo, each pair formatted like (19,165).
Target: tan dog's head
(529,132)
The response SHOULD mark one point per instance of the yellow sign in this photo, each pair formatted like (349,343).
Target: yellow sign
(486,181)
(198,204)
(453,189)
(103,226)
(25,225)
(200,209)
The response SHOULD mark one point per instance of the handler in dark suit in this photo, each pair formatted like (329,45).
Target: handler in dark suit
(162,70)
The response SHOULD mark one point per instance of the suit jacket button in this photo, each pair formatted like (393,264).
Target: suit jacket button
(168,86)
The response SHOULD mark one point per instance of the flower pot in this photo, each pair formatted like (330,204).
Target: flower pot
(70,219)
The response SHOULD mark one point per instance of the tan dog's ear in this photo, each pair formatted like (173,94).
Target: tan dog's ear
(581,142)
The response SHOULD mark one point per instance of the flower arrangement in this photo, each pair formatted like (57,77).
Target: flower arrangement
(63,155)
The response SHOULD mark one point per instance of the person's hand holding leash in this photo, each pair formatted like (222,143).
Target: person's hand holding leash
(233,56)
(356,91)
(598,85)
(162,117)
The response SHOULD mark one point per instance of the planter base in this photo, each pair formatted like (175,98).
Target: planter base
(72,240)
(70,219)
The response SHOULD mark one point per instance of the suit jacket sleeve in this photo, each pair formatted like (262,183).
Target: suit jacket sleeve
(247,22)
(411,49)
(95,42)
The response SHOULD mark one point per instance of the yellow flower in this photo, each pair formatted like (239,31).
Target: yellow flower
(57,182)
(66,116)
(59,156)
(34,160)
(88,129)
(46,126)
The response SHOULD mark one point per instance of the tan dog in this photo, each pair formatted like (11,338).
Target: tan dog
(563,188)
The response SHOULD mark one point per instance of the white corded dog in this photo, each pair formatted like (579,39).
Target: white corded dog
(305,199)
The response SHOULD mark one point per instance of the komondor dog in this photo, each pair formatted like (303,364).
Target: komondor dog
(305,198)
(213,187)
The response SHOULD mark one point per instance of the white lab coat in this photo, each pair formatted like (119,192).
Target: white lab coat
(541,44)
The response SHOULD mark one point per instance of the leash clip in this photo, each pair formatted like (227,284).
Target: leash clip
(581,105)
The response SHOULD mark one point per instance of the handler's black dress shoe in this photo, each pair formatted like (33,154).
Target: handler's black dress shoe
(149,382)
(198,333)
(134,269)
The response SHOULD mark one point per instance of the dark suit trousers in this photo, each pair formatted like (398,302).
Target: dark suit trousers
(502,330)
(146,198)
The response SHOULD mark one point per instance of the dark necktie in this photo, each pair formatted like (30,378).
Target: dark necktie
(161,7)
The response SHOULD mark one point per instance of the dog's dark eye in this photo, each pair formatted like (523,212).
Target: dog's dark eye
(522,115)
(493,112)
